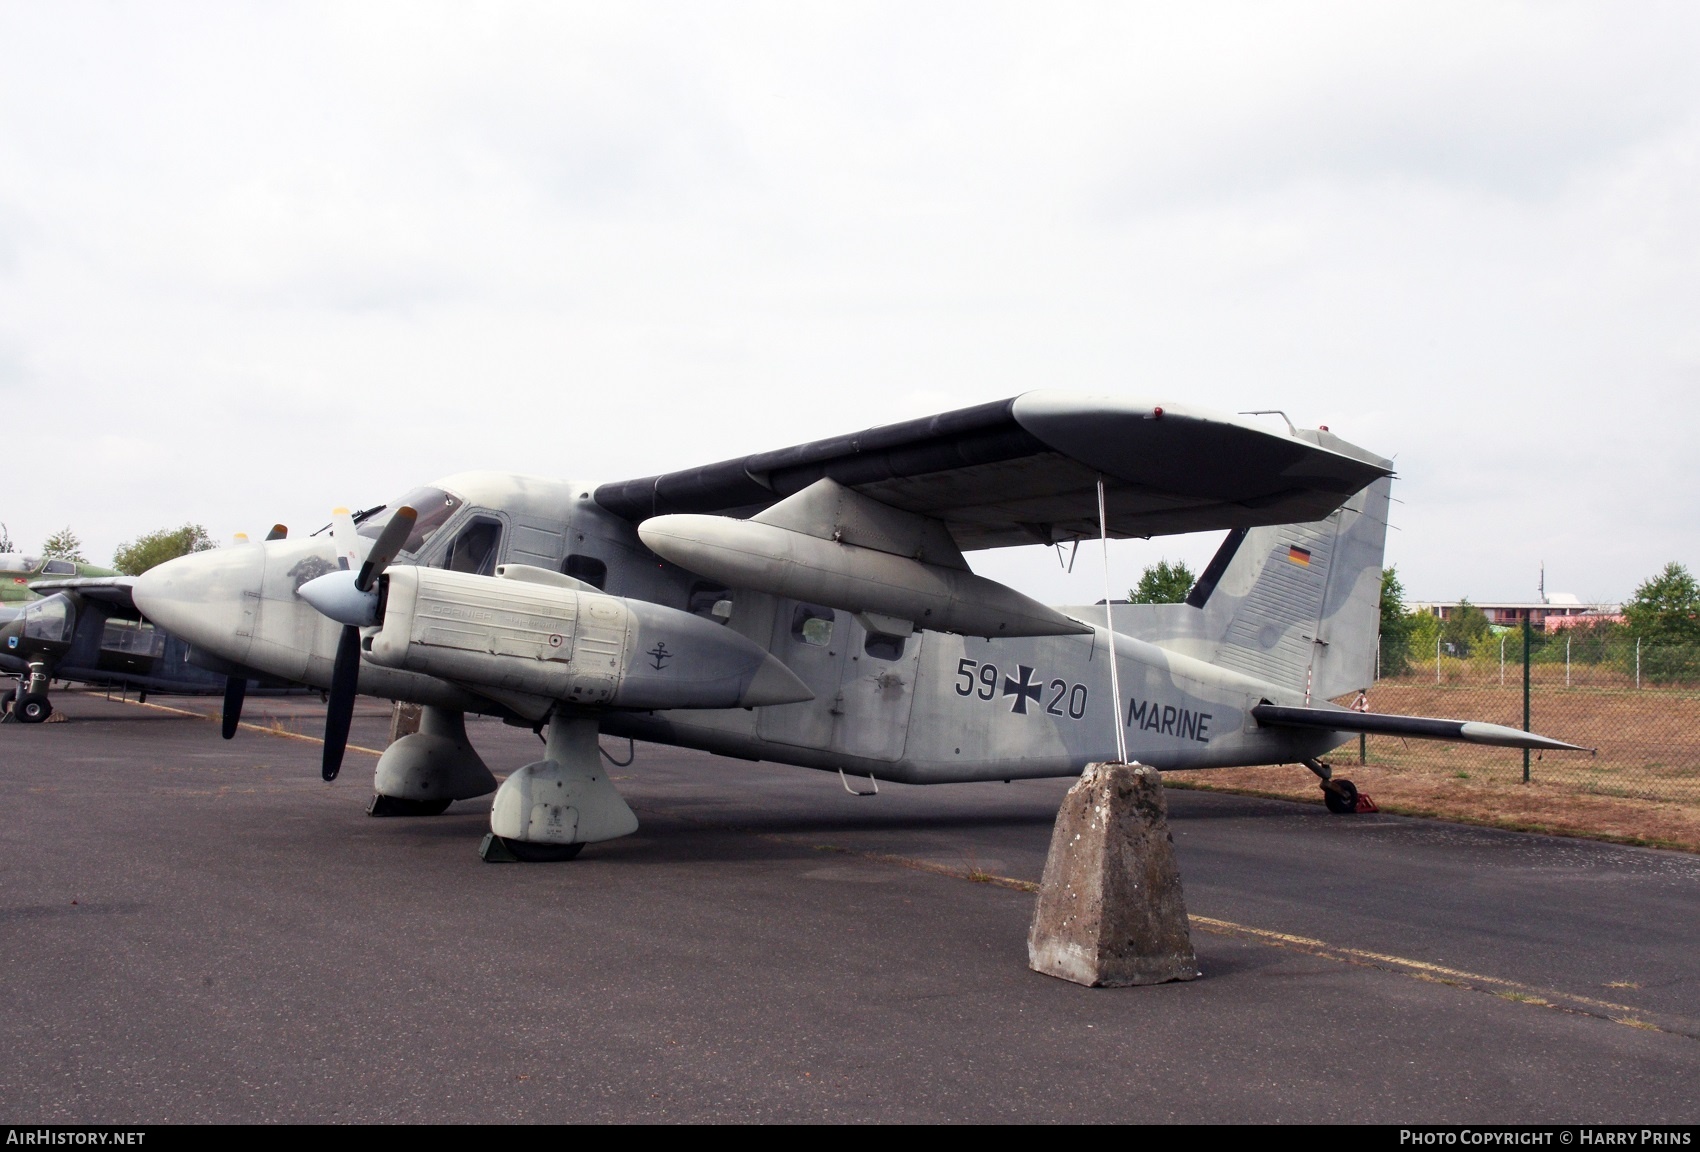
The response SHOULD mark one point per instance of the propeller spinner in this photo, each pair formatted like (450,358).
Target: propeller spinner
(350,597)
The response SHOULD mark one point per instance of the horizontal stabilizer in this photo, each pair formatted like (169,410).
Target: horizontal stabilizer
(1411,727)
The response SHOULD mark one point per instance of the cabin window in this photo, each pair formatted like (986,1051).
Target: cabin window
(883,646)
(812,624)
(704,596)
(587,568)
(474,548)
(60,568)
(131,638)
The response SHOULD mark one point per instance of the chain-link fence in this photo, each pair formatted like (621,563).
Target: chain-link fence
(1637,702)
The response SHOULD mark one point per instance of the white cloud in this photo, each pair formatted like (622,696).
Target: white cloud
(298,256)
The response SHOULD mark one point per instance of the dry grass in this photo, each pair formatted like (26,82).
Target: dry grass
(1500,803)
(1643,786)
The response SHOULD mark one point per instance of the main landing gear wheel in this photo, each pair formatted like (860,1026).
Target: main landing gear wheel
(33,709)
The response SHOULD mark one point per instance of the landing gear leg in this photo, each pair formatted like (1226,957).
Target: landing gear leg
(32,705)
(421,773)
(551,809)
(1341,796)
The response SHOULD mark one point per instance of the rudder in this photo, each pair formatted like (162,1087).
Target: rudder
(1299,605)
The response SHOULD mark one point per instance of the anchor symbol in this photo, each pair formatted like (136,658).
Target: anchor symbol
(660,655)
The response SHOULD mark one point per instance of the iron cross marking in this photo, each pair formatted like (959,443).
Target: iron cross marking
(659,655)
(1022,691)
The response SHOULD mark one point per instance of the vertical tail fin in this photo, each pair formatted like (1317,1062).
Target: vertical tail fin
(1299,605)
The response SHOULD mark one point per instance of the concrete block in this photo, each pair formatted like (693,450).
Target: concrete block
(1110,910)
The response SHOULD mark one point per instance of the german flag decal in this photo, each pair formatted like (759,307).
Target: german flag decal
(1298,555)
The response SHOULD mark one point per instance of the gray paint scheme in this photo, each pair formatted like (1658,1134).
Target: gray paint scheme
(941,707)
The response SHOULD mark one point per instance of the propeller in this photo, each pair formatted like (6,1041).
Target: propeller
(350,597)
(236,687)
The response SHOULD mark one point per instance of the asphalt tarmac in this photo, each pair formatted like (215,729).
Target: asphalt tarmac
(196,930)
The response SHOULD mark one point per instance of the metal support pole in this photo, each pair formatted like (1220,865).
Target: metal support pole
(1502,659)
(1567,661)
(1637,661)
(1437,657)
(1109,628)
(1527,641)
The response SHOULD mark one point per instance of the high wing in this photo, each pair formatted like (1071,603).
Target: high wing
(1025,470)
(1412,727)
(113,590)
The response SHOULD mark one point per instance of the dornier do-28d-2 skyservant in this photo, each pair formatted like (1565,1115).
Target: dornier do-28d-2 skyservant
(814,606)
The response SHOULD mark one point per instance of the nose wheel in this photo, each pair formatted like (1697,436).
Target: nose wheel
(28,707)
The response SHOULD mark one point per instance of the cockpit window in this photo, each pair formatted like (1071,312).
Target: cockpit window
(60,568)
(434,507)
(17,562)
(49,619)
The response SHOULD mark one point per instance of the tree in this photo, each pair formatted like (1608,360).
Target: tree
(1397,625)
(65,545)
(1464,628)
(1666,608)
(1163,583)
(5,539)
(155,548)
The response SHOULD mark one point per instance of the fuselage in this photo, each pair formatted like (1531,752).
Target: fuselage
(930,707)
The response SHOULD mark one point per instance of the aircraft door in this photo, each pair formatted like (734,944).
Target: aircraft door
(878,693)
(811,641)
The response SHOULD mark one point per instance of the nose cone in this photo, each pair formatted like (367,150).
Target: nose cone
(206,598)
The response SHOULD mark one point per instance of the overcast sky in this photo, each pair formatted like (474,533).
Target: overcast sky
(259,260)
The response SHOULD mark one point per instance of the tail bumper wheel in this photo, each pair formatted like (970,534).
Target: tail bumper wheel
(1341,796)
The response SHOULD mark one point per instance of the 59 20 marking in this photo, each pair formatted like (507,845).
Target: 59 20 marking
(981,680)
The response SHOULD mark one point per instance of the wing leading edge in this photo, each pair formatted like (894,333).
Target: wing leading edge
(1025,470)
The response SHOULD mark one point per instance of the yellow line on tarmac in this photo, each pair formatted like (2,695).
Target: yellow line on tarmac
(283,732)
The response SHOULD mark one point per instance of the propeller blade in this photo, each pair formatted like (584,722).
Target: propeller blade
(339,712)
(278,532)
(388,544)
(345,539)
(235,689)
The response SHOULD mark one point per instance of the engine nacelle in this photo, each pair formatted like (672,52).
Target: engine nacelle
(559,641)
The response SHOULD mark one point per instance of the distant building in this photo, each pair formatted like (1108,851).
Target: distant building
(1558,611)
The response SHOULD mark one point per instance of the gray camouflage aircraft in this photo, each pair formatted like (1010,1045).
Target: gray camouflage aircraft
(814,606)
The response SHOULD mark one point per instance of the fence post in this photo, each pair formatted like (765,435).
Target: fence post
(1567,661)
(1437,658)
(1527,632)
(1502,659)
